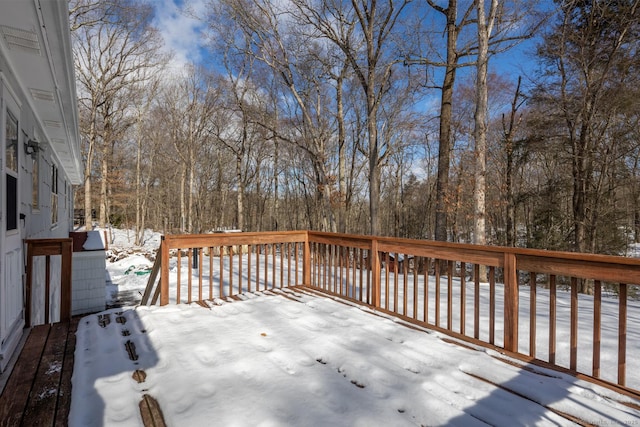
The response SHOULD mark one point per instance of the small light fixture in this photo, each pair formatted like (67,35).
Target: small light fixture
(32,147)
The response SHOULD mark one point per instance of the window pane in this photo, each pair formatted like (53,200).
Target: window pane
(54,194)
(12,202)
(12,143)
(35,190)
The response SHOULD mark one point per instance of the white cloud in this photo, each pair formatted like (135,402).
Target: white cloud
(182,33)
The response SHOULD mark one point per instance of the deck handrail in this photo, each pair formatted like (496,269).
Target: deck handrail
(387,273)
(48,248)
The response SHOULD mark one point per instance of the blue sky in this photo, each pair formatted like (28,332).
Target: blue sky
(182,33)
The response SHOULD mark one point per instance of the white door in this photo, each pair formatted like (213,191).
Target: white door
(11,263)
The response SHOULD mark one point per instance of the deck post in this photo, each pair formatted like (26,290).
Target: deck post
(510,303)
(306,261)
(66,250)
(164,272)
(29,285)
(374,257)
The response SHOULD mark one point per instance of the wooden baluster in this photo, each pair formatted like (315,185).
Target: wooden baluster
(200,255)
(573,358)
(47,290)
(374,259)
(266,266)
(240,252)
(437,296)
(221,284)
(405,282)
(273,263)
(361,263)
(396,279)
(510,308)
(211,273)
(425,278)
(415,289)
(386,280)
(463,296)
(622,334)
(189,273)
(552,319)
(178,276)
(476,301)
(532,314)
(230,249)
(164,272)
(450,295)
(597,327)
(250,248)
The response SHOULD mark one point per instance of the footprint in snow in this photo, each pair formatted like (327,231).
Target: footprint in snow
(204,355)
(283,363)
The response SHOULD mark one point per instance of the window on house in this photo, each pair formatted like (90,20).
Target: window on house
(11,153)
(54,195)
(35,184)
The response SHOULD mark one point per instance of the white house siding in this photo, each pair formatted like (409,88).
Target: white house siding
(53,124)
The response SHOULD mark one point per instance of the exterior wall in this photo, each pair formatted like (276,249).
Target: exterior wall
(88,282)
(35,220)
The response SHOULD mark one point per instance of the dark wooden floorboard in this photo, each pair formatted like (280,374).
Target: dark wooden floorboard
(38,391)
(15,396)
(41,407)
(64,396)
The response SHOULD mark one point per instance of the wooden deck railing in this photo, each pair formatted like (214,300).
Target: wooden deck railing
(483,295)
(245,262)
(48,248)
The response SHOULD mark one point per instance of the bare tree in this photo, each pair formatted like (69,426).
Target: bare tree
(589,56)
(189,103)
(363,30)
(454,53)
(115,47)
(485,27)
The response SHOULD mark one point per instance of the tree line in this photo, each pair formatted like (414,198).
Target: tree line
(387,117)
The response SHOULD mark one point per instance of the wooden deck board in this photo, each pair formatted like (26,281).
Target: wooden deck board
(38,390)
(64,394)
(15,396)
(41,406)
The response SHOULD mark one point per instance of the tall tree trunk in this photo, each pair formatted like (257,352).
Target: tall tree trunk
(374,175)
(276,191)
(485,26)
(102,219)
(509,130)
(580,188)
(240,194)
(342,167)
(446,114)
(139,225)
(192,190)
(183,202)
(88,219)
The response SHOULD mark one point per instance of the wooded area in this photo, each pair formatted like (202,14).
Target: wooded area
(366,116)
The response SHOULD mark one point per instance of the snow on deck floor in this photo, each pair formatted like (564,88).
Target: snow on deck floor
(272,361)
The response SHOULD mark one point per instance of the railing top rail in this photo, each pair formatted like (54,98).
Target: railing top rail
(180,241)
(590,266)
(43,247)
(417,244)
(48,241)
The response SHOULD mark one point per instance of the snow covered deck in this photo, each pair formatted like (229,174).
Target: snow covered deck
(300,357)
(292,356)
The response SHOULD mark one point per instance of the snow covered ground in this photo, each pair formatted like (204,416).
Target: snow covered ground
(303,359)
